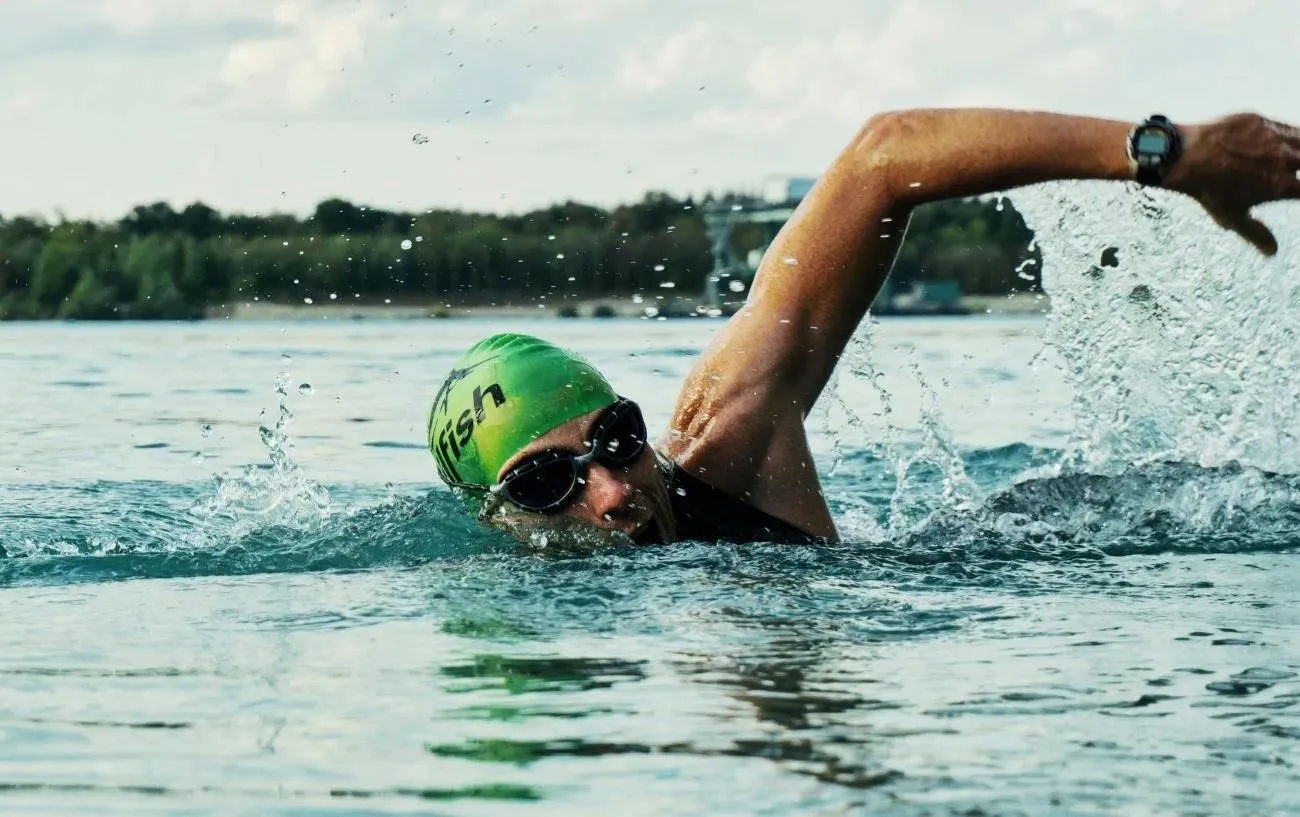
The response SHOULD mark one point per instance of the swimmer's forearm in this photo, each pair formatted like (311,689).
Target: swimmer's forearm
(932,154)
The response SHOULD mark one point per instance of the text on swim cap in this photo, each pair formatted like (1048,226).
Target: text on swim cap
(453,439)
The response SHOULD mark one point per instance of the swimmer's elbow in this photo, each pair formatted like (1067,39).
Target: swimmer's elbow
(876,147)
(883,149)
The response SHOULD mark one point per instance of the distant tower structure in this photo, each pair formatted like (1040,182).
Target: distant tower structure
(729,280)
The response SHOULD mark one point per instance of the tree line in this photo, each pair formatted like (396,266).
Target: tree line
(162,263)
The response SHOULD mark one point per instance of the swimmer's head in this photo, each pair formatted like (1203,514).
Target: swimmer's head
(504,392)
(512,399)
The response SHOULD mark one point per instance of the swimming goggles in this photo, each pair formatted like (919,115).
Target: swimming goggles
(549,481)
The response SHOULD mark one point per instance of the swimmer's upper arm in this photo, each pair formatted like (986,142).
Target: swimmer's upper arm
(818,278)
(815,284)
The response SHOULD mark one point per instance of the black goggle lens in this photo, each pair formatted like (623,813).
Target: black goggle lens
(548,481)
(542,484)
(619,435)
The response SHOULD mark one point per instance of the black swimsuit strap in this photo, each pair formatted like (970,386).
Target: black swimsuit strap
(705,513)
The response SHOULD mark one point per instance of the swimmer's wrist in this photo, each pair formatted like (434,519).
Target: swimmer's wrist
(1185,168)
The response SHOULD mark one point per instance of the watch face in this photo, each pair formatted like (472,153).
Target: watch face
(1153,141)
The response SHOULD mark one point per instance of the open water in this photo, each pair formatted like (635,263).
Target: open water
(229,583)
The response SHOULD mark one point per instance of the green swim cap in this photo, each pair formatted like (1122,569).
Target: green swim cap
(504,392)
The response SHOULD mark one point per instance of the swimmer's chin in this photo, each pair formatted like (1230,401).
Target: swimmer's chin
(560,533)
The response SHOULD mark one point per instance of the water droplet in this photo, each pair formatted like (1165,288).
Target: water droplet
(659,267)
(681,491)
(406,244)
(668,285)
(636,299)
(420,139)
(306,300)
(736,286)
(205,430)
(560,255)
(305,388)
(388,486)
(651,311)
(334,296)
(914,184)
(286,358)
(197,458)
(791,261)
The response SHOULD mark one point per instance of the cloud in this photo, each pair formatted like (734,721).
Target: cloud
(537,100)
(652,66)
(295,70)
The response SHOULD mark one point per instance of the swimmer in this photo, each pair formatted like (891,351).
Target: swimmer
(536,438)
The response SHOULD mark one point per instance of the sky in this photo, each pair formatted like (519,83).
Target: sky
(508,105)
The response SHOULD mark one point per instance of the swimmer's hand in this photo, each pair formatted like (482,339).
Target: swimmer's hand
(1233,164)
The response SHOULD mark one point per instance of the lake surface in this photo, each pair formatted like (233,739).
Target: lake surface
(201,617)
(229,583)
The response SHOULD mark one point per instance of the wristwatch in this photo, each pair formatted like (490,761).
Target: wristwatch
(1153,147)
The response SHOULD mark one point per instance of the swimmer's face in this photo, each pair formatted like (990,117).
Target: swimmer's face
(632,500)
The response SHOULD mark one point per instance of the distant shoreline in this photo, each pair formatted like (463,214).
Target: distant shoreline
(1021,303)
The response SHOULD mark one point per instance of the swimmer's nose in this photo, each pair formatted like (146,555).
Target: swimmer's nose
(607,493)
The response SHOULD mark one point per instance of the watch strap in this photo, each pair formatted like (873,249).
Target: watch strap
(1149,175)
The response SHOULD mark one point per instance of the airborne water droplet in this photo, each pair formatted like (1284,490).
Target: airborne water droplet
(286,357)
(406,244)
(305,388)
(736,286)
(420,139)
(205,430)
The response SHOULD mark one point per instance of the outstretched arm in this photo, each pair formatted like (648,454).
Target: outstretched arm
(741,411)
(846,232)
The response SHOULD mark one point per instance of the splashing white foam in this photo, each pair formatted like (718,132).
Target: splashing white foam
(1179,340)
(280,495)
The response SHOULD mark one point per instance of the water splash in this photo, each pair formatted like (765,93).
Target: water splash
(279,495)
(1179,341)
(869,427)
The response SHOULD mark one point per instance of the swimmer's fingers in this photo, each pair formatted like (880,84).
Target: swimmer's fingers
(1255,231)
(1233,164)
(1290,150)
(1293,167)
(1290,133)
(1245,225)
